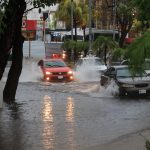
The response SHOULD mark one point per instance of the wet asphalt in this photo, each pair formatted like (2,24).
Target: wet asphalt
(68,116)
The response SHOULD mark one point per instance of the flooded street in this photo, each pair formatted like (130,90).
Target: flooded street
(67,116)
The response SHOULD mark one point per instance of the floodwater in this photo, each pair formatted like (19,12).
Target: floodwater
(67,116)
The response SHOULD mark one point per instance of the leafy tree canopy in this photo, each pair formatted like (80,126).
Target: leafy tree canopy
(34,3)
(139,50)
(143,8)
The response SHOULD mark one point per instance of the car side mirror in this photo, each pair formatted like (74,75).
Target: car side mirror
(40,63)
(112,76)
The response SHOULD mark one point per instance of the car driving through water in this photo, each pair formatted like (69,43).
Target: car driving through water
(55,70)
(128,84)
(89,68)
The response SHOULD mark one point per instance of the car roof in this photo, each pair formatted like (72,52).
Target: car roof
(84,58)
(119,66)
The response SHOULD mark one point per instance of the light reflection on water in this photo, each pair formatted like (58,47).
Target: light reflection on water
(48,124)
(71,123)
(49,138)
(70,110)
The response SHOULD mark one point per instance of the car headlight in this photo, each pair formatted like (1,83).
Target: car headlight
(127,85)
(70,72)
(48,73)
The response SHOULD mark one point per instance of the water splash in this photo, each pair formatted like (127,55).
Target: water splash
(30,72)
(110,90)
(88,69)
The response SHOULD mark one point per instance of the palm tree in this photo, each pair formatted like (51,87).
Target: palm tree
(84,20)
(64,13)
(104,45)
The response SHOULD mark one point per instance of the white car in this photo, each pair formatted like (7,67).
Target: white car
(89,68)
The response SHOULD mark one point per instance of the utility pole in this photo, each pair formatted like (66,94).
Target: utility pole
(114,19)
(90,27)
(71,19)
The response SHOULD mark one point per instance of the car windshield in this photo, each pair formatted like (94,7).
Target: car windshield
(125,73)
(50,64)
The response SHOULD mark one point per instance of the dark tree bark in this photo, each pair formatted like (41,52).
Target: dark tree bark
(7,35)
(125,23)
(17,56)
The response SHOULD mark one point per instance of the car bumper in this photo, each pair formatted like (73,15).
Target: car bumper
(135,92)
(58,78)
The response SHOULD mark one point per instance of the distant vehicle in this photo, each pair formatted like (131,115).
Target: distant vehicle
(126,82)
(54,50)
(55,70)
(90,67)
(94,63)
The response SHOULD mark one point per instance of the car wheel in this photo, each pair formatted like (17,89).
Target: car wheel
(101,83)
(122,92)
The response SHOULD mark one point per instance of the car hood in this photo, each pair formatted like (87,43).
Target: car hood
(57,69)
(98,68)
(135,80)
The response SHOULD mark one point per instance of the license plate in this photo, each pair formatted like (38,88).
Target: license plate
(60,77)
(142,91)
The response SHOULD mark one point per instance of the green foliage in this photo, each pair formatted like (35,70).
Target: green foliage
(43,3)
(143,9)
(103,43)
(118,54)
(74,46)
(79,12)
(138,51)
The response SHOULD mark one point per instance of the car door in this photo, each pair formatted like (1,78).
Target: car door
(107,76)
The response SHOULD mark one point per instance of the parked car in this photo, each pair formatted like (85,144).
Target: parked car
(55,69)
(89,67)
(127,83)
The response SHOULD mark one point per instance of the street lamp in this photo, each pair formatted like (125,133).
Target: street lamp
(90,28)
(71,19)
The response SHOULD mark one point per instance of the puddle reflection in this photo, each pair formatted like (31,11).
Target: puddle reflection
(71,123)
(70,110)
(48,124)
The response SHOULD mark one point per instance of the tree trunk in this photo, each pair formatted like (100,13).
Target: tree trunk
(17,56)
(7,36)
(122,38)
(15,71)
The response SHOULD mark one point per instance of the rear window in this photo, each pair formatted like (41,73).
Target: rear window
(125,73)
(54,64)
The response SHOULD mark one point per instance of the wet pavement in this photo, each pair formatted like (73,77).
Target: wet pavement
(68,116)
